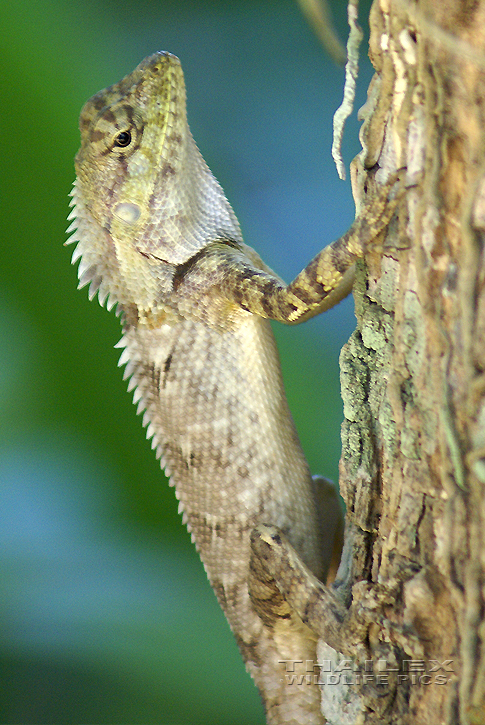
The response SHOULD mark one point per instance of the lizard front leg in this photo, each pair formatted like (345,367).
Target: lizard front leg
(325,280)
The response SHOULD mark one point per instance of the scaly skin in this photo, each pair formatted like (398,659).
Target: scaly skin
(157,237)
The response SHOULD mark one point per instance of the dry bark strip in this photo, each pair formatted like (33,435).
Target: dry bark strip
(413,462)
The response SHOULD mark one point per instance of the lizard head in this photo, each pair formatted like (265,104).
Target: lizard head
(132,134)
(143,196)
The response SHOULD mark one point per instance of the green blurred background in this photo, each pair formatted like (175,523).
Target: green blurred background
(106,613)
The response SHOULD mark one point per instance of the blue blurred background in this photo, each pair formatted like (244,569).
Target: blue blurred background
(106,613)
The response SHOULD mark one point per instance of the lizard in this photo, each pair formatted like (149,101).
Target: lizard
(156,236)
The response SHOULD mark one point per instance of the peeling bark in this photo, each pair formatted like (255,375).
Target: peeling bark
(413,383)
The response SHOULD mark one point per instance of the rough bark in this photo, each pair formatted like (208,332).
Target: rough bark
(413,383)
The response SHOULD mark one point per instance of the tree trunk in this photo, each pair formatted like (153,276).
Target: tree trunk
(413,383)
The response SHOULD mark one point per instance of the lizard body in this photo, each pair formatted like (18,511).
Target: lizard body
(156,236)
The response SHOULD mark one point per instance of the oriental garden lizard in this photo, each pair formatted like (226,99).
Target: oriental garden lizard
(157,237)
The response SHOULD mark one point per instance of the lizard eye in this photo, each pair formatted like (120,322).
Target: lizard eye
(123,139)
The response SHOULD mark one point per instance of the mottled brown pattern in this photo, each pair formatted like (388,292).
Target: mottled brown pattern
(166,368)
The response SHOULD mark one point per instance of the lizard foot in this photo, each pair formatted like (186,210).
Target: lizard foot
(359,631)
